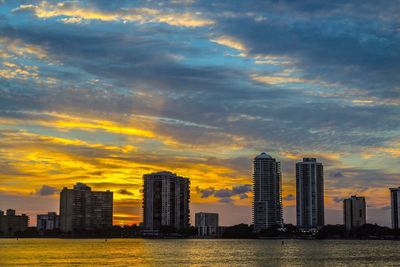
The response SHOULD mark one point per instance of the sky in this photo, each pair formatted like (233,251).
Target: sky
(102,92)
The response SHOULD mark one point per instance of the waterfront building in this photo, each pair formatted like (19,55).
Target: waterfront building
(354,212)
(10,223)
(165,201)
(267,203)
(395,204)
(49,221)
(310,194)
(206,224)
(84,209)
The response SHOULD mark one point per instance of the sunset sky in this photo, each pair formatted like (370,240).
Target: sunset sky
(102,92)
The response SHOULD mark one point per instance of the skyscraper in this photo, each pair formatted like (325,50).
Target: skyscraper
(267,205)
(165,201)
(309,194)
(395,204)
(84,209)
(354,212)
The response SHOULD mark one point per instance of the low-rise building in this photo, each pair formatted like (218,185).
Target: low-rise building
(354,212)
(49,221)
(206,223)
(10,223)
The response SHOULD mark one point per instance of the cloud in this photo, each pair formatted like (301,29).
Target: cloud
(76,13)
(125,192)
(241,189)
(225,195)
(338,199)
(72,20)
(277,79)
(124,93)
(12,47)
(229,42)
(336,175)
(46,190)
(244,196)
(226,200)
(289,197)
(205,193)
(313,48)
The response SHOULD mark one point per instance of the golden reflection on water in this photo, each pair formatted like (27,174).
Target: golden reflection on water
(194,252)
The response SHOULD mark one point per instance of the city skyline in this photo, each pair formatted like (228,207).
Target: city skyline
(160,188)
(102,93)
(260,159)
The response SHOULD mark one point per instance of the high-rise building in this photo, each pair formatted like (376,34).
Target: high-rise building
(354,212)
(10,223)
(84,209)
(310,194)
(206,223)
(395,205)
(267,205)
(165,201)
(49,221)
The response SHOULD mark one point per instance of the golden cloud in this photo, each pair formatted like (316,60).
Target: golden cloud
(15,47)
(76,13)
(229,42)
(19,71)
(278,79)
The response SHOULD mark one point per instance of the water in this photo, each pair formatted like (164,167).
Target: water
(195,252)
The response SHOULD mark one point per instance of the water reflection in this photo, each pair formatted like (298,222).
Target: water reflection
(218,252)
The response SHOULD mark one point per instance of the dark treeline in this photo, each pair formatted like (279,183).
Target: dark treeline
(112,232)
(367,231)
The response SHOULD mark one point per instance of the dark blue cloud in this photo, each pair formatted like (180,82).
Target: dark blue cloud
(46,190)
(225,194)
(337,46)
(289,197)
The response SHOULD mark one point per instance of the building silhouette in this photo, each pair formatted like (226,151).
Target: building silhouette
(354,212)
(165,201)
(309,194)
(267,204)
(206,224)
(395,204)
(10,223)
(49,221)
(84,209)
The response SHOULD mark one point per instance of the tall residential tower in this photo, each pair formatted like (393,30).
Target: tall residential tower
(165,201)
(310,194)
(395,204)
(267,205)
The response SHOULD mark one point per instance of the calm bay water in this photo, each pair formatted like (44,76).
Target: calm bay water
(194,252)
